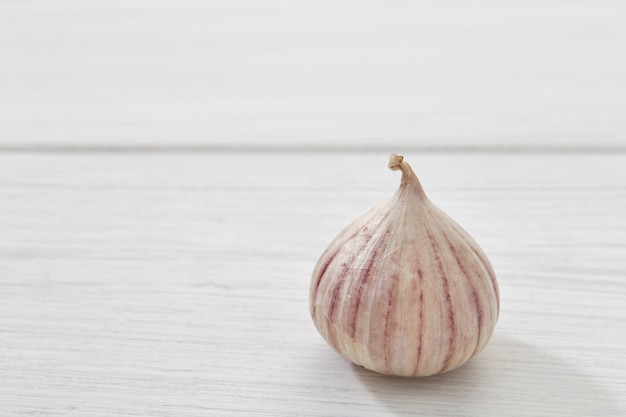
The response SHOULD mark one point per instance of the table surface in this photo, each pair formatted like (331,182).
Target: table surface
(170,172)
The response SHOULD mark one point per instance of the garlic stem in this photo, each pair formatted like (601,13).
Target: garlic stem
(397,162)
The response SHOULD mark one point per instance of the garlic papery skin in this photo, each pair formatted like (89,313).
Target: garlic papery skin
(404,290)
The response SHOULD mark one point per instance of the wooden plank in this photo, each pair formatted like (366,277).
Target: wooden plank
(353,74)
(178,284)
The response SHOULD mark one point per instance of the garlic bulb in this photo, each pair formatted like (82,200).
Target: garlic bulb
(404,290)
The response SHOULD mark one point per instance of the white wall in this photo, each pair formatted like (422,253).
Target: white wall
(355,74)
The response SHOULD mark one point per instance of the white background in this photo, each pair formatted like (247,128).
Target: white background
(170,172)
(318,73)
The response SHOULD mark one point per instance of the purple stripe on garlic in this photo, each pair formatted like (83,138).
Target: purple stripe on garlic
(404,290)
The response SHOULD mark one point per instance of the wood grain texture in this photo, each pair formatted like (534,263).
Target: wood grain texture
(169,285)
(350,74)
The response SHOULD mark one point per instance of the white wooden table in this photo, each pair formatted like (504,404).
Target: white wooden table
(171,171)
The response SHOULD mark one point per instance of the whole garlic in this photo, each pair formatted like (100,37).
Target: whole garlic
(404,290)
